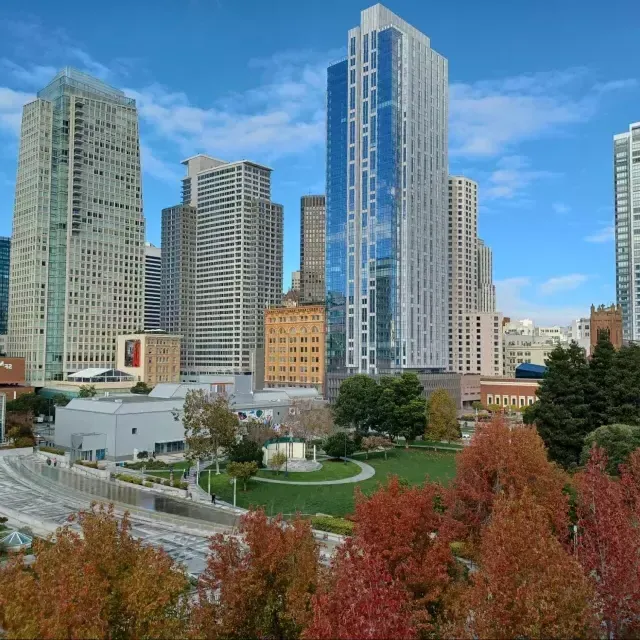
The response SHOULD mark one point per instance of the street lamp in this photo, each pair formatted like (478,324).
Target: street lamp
(344,460)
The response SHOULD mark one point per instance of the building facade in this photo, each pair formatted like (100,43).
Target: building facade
(294,346)
(77,268)
(607,321)
(477,343)
(238,261)
(152,286)
(178,279)
(295,281)
(520,349)
(626,147)
(312,249)
(511,392)
(486,288)
(5,261)
(152,357)
(387,170)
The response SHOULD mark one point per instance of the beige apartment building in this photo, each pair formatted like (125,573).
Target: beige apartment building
(519,349)
(294,346)
(152,357)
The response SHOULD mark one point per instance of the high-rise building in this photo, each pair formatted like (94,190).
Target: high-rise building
(312,249)
(238,261)
(178,279)
(387,252)
(77,268)
(295,281)
(486,288)
(5,261)
(152,287)
(627,201)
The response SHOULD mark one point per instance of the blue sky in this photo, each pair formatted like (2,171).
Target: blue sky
(537,91)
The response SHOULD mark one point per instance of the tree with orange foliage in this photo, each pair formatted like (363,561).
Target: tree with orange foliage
(410,531)
(259,586)
(630,481)
(100,583)
(527,584)
(503,460)
(360,600)
(609,542)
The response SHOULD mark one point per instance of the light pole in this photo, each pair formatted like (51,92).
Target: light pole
(209,480)
(345,448)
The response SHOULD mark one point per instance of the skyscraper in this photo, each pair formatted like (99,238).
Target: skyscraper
(627,203)
(77,268)
(152,278)
(238,261)
(178,279)
(486,288)
(387,253)
(5,261)
(312,249)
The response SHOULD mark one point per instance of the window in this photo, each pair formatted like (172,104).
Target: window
(134,430)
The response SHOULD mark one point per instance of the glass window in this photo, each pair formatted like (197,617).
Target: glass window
(353,46)
(352,98)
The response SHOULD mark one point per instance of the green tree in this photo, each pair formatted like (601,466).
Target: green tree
(87,391)
(356,400)
(277,460)
(242,471)
(562,411)
(60,400)
(141,388)
(339,445)
(624,387)
(618,442)
(601,366)
(29,402)
(442,417)
(209,425)
(400,407)
(245,451)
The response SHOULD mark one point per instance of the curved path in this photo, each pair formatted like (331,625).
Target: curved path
(366,472)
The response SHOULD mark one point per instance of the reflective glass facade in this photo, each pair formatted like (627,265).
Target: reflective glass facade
(5,257)
(387,204)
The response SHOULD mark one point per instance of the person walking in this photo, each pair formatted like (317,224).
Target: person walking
(213,498)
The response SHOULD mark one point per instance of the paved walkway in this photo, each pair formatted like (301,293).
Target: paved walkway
(366,472)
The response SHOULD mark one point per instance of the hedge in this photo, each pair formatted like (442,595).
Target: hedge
(55,450)
(87,463)
(333,525)
(127,478)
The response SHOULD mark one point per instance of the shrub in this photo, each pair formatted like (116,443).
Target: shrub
(127,478)
(23,441)
(147,464)
(333,524)
(179,484)
(87,463)
(149,485)
(339,445)
(142,455)
(55,450)
(246,451)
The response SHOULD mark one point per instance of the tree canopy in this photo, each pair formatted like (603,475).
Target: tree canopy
(339,445)
(442,417)
(618,442)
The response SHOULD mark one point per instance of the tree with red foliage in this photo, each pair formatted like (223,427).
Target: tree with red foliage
(259,586)
(410,531)
(503,460)
(360,600)
(527,584)
(630,480)
(608,545)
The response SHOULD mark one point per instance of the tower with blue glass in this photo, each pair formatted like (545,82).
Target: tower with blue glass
(5,258)
(387,204)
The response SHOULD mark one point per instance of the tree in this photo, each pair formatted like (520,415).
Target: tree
(277,460)
(373,443)
(623,385)
(242,471)
(618,442)
(562,411)
(310,422)
(141,388)
(400,407)
(19,427)
(500,461)
(28,403)
(209,425)
(100,583)
(477,406)
(608,545)
(339,445)
(442,417)
(527,585)
(601,366)
(87,391)
(258,432)
(356,399)
(260,586)
(245,451)
(360,600)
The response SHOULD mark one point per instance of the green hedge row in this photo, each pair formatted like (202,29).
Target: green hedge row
(54,450)
(332,524)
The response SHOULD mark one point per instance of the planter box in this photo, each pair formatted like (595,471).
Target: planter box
(88,471)
(156,488)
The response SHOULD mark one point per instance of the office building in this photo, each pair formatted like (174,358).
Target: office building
(77,268)
(151,357)
(606,321)
(486,288)
(178,279)
(238,262)
(312,249)
(295,281)
(294,346)
(387,160)
(627,204)
(152,286)
(5,261)
(477,343)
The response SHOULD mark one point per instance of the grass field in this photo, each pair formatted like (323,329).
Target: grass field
(412,464)
(331,470)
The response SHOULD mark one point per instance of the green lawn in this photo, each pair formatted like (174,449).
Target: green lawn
(412,464)
(331,470)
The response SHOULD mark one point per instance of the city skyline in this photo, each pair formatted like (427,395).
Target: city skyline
(543,166)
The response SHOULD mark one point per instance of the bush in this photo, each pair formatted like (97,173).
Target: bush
(127,478)
(142,455)
(339,444)
(23,441)
(246,451)
(179,484)
(468,418)
(155,479)
(618,441)
(148,464)
(87,463)
(55,450)
(149,485)
(333,524)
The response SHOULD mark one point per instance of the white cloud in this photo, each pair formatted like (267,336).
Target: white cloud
(511,177)
(561,208)
(11,103)
(606,234)
(157,168)
(36,76)
(562,283)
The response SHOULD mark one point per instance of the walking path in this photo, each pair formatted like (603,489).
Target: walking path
(366,472)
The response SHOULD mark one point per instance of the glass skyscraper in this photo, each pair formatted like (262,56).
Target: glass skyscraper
(5,258)
(387,203)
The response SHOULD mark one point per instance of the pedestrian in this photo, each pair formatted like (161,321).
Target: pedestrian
(213,498)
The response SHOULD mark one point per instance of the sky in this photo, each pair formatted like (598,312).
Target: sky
(537,91)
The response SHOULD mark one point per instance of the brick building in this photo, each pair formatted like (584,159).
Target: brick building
(608,320)
(508,392)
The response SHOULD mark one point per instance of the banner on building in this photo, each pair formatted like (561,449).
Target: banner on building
(132,353)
